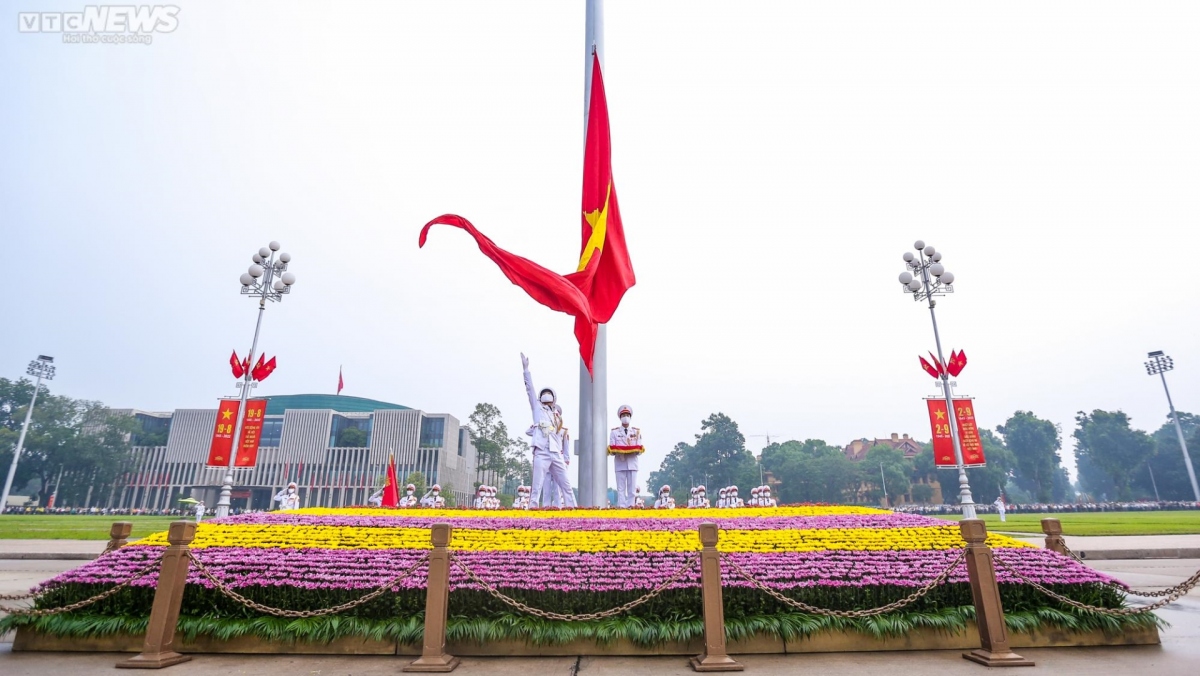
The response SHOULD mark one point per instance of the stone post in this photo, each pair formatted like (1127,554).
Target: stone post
(989,614)
(118,535)
(1054,537)
(437,605)
(158,651)
(714,658)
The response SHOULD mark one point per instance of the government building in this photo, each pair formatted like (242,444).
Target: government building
(334,447)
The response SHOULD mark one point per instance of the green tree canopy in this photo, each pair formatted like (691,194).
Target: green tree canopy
(1105,440)
(719,454)
(83,438)
(1034,444)
(812,471)
(497,454)
(883,467)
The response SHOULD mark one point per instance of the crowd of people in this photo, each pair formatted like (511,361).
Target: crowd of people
(1054,508)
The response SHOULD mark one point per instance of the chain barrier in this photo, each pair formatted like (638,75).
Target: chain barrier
(282,612)
(35,612)
(1179,590)
(570,617)
(895,605)
(1117,585)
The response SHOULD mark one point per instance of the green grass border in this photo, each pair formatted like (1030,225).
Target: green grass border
(640,631)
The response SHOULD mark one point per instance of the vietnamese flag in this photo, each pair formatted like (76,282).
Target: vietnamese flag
(603,273)
(265,370)
(391,490)
(236,365)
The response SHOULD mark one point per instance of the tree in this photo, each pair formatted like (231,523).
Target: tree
(921,493)
(497,456)
(885,464)
(83,438)
(1105,440)
(351,437)
(812,471)
(719,454)
(1170,473)
(1034,444)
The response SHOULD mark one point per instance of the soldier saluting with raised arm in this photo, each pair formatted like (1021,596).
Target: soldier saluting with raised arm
(549,438)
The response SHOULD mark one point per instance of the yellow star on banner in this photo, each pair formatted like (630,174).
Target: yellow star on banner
(226,414)
(941,415)
(598,219)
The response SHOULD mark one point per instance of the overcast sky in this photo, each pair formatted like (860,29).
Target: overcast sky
(773,160)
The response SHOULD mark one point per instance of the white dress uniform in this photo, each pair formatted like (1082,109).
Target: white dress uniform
(549,437)
(625,464)
(1000,507)
(199,512)
(288,500)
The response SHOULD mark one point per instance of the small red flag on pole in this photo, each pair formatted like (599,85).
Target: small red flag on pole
(340,384)
(928,367)
(236,365)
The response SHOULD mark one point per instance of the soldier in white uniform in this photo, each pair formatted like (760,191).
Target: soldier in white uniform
(664,501)
(376,498)
(434,499)
(288,498)
(199,511)
(1000,507)
(732,499)
(625,445)
(765,499)
(549,441)
(410,496)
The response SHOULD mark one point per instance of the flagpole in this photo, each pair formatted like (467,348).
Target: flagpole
(593,389)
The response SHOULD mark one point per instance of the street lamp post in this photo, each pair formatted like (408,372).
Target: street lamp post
(931,280)
(41,368)
(1158,365)
(267,279)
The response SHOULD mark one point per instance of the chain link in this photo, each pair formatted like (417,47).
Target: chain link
(1117,585)
(35,612)
(1179,591)
(570,617)
(282,612)
(895,605)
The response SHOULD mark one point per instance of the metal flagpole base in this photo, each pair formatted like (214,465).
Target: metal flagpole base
(153,661)
(715,663)
(437,664)
(990,659)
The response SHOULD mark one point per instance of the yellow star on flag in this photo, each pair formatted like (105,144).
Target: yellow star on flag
(941,415)
(225,415)
(598,219)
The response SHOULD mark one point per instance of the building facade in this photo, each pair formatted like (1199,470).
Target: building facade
(335,448)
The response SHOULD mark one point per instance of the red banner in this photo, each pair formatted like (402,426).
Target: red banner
(251,432)
(968,433)
(222,440)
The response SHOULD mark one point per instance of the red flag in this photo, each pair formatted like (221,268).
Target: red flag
(236,365)
(936,362)
(605,272)
(339,380)
(391,490)
(254,373)
(928,367)
(592,293)
(958,361)
(545,286)
(261,372)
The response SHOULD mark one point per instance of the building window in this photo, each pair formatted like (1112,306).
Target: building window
(153,431)
(462,441)
(346,432)
(433,431)
(272,430)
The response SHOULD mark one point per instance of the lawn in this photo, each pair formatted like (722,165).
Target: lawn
(1099,523)
(76,527)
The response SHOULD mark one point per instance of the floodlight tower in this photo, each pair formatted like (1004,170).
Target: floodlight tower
(40,368)
(1158,365)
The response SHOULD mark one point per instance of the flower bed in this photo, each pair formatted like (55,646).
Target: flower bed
(575,562)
